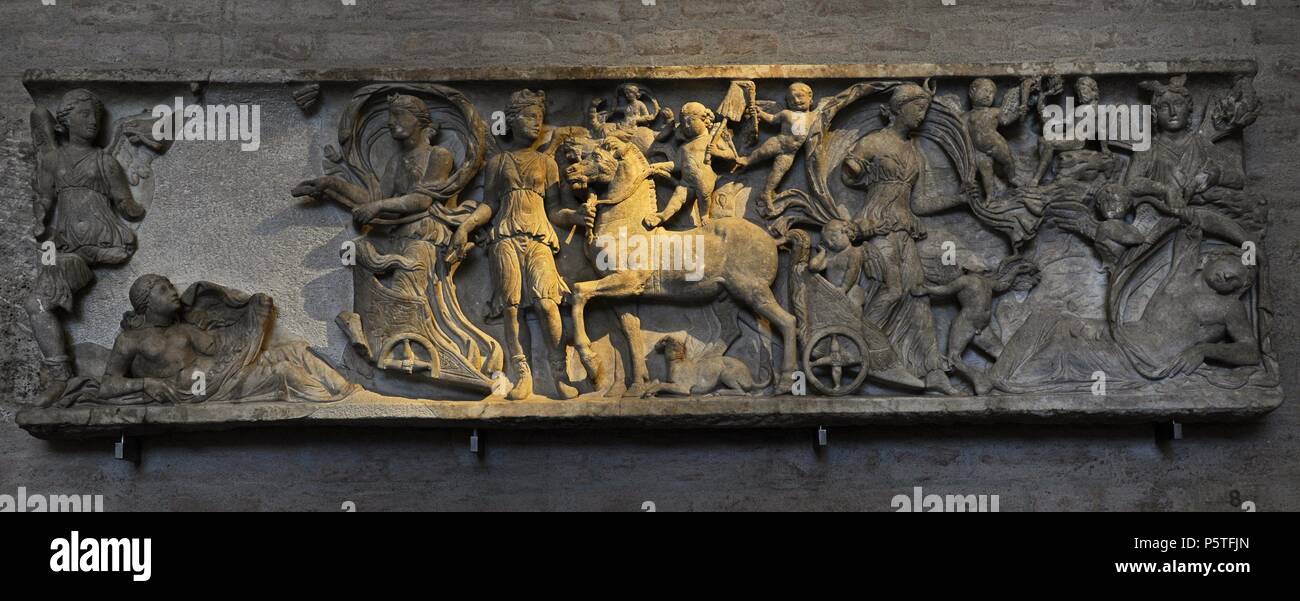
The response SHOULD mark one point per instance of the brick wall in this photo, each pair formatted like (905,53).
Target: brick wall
(1030,467)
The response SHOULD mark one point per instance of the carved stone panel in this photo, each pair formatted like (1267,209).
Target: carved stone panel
(673,246)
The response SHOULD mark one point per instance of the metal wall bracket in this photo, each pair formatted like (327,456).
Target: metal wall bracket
(1170,430)
(127,448)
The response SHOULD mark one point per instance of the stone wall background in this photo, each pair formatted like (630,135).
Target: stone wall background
(1030,467)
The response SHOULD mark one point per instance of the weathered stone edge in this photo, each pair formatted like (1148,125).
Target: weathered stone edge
(369,409)
(641,72)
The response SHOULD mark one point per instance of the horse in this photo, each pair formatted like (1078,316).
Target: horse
(735,257)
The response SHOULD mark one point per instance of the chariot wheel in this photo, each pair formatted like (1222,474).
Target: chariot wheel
(410,361)
(833,360)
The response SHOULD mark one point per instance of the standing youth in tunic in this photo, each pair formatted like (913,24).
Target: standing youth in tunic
(521,198)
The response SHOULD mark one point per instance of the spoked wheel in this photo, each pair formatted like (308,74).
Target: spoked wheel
(833,360)
(410,360)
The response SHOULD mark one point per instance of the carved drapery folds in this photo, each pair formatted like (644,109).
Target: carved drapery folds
(1057,239)
(406,312)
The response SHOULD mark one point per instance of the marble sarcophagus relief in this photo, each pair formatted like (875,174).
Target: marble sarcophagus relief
(669,246)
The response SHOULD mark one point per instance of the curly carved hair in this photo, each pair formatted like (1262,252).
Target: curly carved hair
(70,102)
(699,110)
(525,99)
(797,86)
(1177,86)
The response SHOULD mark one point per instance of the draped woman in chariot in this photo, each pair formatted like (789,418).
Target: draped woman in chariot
(406,313)
(887,165)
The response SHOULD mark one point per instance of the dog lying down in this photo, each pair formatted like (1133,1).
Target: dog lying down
(703,375)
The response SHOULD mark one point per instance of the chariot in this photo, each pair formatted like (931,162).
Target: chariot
(839,348)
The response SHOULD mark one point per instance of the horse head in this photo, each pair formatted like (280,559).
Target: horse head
(607,161)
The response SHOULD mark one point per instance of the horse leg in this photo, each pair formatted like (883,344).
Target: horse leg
(621,283)
(581,343)
(636,345)
(728,316)
(760,299)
